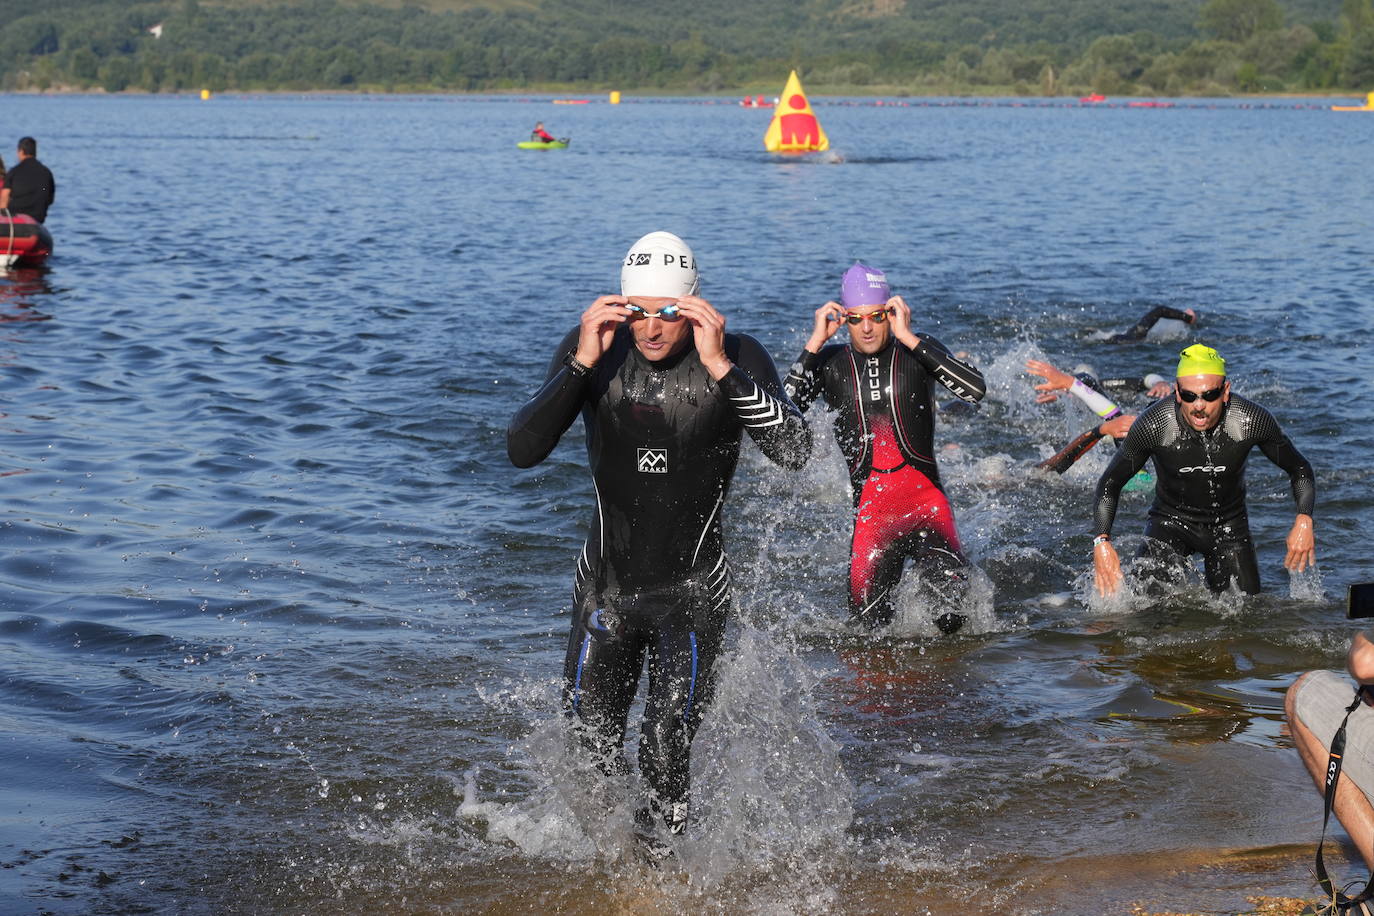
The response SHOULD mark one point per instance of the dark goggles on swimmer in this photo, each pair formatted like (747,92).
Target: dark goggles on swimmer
(854,318)
(669,312)
(1211,394)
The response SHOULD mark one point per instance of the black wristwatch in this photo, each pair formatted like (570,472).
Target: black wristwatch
(575,367)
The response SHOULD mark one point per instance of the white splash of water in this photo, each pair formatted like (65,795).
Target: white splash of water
(771,788)
(1166,329)
(770,797)
(1306,585)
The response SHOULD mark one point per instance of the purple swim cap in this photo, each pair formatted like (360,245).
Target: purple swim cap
(863,286)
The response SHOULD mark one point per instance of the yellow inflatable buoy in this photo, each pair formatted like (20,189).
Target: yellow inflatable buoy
(794,128)
(204,95)
(615,97)
(1367,106)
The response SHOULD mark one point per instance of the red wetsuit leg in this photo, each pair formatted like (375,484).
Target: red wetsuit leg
(897,502)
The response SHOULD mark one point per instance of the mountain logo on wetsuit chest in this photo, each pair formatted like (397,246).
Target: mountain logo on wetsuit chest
(653,461)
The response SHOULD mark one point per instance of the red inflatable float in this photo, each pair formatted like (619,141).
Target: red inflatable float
(24,241)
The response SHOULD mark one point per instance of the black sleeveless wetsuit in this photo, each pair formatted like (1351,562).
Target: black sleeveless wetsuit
(885,425)
(653,579)
(1199,504)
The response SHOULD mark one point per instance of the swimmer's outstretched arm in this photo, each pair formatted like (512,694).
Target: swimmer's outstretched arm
(962,379)
(1058,380)
(1066,457)
(1142,327)
(1129,459)
(1278,448)
(1155,386)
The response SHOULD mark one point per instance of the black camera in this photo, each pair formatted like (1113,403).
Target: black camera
(1359,600)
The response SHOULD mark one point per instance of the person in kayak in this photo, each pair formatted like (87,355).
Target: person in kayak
(882,385)
(665,396)
(1199,440)
(540,135)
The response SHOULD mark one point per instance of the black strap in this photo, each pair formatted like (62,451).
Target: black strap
(1339,899)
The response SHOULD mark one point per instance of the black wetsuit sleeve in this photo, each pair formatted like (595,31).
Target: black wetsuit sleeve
(755,395)
(1128,383)
(959,377)
(803,384)
(1142,327)
(1278,448)
(542,421)
(1129,459)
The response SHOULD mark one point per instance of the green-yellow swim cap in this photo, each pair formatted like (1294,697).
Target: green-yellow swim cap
(1200,360)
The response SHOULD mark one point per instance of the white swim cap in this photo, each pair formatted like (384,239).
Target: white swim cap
(660,264)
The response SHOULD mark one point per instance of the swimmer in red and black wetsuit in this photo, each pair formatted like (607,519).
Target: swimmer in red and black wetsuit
(540,135)
(665,396)
(1199,440)
(882,386)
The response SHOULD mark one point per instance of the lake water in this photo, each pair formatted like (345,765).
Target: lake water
(283,630)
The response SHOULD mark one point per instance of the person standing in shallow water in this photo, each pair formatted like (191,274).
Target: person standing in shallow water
(1199,440)
(883,386)
(665,396)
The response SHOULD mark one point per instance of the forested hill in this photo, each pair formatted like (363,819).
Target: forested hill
(917,46)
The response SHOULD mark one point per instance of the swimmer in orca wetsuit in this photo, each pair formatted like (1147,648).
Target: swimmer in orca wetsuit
(665,396)
(1199,440)
(883,387)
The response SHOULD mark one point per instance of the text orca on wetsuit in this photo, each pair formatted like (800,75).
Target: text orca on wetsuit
(1199,440)
(665,395)
(882,386)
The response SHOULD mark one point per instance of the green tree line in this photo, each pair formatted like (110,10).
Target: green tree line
(1051,47)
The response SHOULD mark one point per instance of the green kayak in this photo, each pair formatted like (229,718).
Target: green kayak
(561,143)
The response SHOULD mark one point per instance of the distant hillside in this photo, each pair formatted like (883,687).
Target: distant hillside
(1023,46)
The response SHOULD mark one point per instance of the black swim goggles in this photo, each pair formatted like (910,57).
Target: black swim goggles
(669,312)
(1210,395)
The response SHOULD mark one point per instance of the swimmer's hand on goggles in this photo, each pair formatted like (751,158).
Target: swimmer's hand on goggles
(669,312)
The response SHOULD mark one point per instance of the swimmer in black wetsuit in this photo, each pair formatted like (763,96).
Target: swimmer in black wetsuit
(665,395)
(1199,440)
(882,386)
(1142,327)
